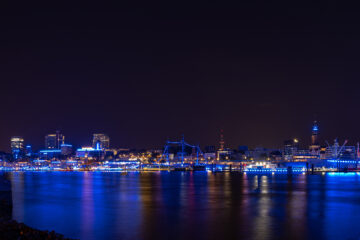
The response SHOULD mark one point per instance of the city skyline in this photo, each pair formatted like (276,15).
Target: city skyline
(179,120)
(102,138)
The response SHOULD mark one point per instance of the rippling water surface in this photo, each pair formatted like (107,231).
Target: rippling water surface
(189,205)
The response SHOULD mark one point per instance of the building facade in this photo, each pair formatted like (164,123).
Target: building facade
(17,147)
(315,146)
(291,148)
(100,141)
(54,141)
(66,149)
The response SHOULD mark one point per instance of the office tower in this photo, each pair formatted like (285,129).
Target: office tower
(17,147)
(54,141)
(101,141)
(291,148)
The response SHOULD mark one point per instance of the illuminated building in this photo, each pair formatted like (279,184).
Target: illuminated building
(28,151)
(290,149)
(88,152)
(54,141)
(50,154)
(209,156)
(101,141)
(276,156)
(224,154)
(66,149)
(304,156)
(315,147)
(261,154)
(210,153)
(242,153)
(322,152)
(17,147)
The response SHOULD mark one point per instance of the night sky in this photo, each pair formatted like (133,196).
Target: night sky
(144,73)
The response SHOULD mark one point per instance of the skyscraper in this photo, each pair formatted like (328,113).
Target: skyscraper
(54,141)
(291,148)
(314,147)
(100,141)
(17,147)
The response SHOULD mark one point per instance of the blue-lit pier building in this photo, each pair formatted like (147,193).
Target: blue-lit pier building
(89,153)
(342,164)
(49,154)
(66,149)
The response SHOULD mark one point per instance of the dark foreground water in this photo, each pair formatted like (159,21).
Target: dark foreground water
(186,205)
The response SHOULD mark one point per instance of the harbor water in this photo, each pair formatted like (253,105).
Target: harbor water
(188,205)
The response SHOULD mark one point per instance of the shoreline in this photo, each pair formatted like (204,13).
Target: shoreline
(11,229)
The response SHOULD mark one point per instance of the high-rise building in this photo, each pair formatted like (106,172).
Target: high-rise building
(54,141)
(17,147)
(314,147)
(291,148)
(101,141)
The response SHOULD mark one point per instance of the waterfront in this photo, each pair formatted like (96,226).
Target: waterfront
(189,205)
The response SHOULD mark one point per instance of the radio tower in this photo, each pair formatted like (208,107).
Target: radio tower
(222,142)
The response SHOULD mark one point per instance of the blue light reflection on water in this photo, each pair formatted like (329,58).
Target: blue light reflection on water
(186,205)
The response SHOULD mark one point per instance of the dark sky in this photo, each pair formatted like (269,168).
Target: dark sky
(143,73)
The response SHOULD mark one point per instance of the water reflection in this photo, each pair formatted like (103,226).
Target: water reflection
(87,207)
(17,182)
(189,205)
(262,221)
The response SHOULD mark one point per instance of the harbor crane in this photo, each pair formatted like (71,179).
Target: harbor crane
(181,144)
(335,148)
